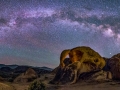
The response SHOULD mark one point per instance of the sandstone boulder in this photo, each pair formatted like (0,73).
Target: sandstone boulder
(28,76)
(114,66)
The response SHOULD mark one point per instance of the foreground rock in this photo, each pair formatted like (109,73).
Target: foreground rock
(91,63)
(66,77)
(113,65)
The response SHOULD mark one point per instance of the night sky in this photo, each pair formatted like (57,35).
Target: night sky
(35,32)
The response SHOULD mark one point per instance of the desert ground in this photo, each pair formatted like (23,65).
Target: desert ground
(85,85)
(13,86)
(24,76)
(80,85)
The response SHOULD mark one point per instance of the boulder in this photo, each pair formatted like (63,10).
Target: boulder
(114,66)
(28,76)
(67,76)
(92,64)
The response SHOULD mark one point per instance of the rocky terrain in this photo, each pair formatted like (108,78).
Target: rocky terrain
(106,78)
(20,77)
(15,77)
(9,74)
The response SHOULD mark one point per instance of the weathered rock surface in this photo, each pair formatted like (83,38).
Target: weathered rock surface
(114,66)
(28,76)
(66,75)
(110,71)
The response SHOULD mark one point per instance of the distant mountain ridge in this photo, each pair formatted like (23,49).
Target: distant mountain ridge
(15,66)
(10,72)
(10,66)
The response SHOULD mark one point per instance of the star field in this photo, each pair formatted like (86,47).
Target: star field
(34,32)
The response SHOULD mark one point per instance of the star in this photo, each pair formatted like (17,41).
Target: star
(38,31)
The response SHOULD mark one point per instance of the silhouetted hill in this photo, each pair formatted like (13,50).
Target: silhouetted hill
(46,68)
(2,65)
(20,69)
(11,66)
(39,70)
(6,69)
(10,72)
(24,66)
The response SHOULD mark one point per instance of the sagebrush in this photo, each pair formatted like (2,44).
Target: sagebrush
(37,85)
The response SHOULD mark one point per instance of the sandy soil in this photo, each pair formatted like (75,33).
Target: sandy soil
(5,86)
(13,86)
(81,85)
(20,86)
(87,86)
(84,85)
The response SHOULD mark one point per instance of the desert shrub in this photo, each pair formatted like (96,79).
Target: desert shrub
(37,85)
(10,79)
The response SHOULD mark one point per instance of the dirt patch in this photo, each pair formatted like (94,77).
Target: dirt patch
(5,86)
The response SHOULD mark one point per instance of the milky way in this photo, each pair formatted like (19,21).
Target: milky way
(34,32)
